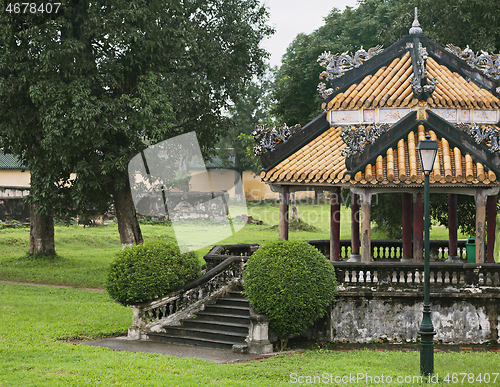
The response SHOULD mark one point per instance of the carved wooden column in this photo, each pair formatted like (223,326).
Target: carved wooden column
(491,222)
(366,255)
(335,224)
(452,228)
(480,224)
(407,229)
(354,257)
(418,228)
(283,225)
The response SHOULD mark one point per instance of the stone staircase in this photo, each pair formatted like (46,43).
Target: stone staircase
(223,324)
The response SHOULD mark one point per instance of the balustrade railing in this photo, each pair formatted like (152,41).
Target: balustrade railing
(187,300)
(220,253)
(387,275)
(391,250)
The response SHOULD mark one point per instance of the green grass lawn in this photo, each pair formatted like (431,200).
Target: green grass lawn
(39,325)
(83,254)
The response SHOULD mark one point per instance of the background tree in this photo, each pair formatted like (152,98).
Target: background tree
(250,108)
(85,89)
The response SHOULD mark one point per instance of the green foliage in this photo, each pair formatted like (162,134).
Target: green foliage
(387,212)
(251,161)
(146,272)
(466,212)
(251,108)
(292,283)
(298,224)
(85,89)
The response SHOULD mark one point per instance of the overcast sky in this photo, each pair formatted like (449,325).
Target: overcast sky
(291,17)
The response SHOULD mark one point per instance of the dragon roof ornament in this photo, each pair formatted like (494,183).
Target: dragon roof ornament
(336,65)
(357,137)
(483,134)
(488,64)
(267,139)
(422,86)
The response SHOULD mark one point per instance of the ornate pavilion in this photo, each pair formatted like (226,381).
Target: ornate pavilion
(378,106)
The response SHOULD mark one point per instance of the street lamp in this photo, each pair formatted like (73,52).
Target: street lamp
(427,150)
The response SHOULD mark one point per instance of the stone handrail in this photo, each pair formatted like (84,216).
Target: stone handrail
(186,301)
(474,277)
(390,250)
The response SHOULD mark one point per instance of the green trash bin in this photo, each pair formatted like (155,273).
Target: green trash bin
(470,246)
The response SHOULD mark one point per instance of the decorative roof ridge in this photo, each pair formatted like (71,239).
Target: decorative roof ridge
(483,134)
(446,56)
(356,74)
(368,155)
(464,140)
(268,139)
(336,65)
(488,64)
(284,149)
(357,137)
(421,85)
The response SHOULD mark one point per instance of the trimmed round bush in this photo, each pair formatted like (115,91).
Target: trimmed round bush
(147,272)
(290,282)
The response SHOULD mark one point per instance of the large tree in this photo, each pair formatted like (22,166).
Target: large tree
(86,88)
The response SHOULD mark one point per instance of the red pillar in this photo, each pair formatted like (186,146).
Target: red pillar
(418,228)
(335,224)
(491,221)
(354,227)
(407,229)
(452,227)
(480,224)
(283,225)
(366,245)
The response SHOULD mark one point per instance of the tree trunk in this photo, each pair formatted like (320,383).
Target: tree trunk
(128,227)
(41,233)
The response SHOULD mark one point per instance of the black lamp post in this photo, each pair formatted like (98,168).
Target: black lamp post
(427,150)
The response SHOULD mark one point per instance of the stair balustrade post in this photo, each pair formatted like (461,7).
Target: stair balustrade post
(138,323)
(258,334)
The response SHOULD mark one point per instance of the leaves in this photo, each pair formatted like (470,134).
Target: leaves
(290,282)
(84,90)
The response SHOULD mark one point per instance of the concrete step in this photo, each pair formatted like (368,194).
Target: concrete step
(222,344)
(217,325)
(223,317)
(228,309)
(206,334)
(233,301)
(220,325)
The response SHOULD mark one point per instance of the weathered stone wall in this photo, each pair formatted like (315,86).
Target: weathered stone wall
(458,318)
(12,205)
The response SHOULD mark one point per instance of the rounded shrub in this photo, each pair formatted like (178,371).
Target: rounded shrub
(290,282)
(150,271)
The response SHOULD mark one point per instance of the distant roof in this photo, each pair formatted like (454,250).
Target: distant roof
(10,162)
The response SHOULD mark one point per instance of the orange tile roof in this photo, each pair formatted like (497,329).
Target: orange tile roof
(320,161)
(390,87)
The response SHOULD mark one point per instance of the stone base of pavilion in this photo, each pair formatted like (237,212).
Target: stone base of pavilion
(382,300)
